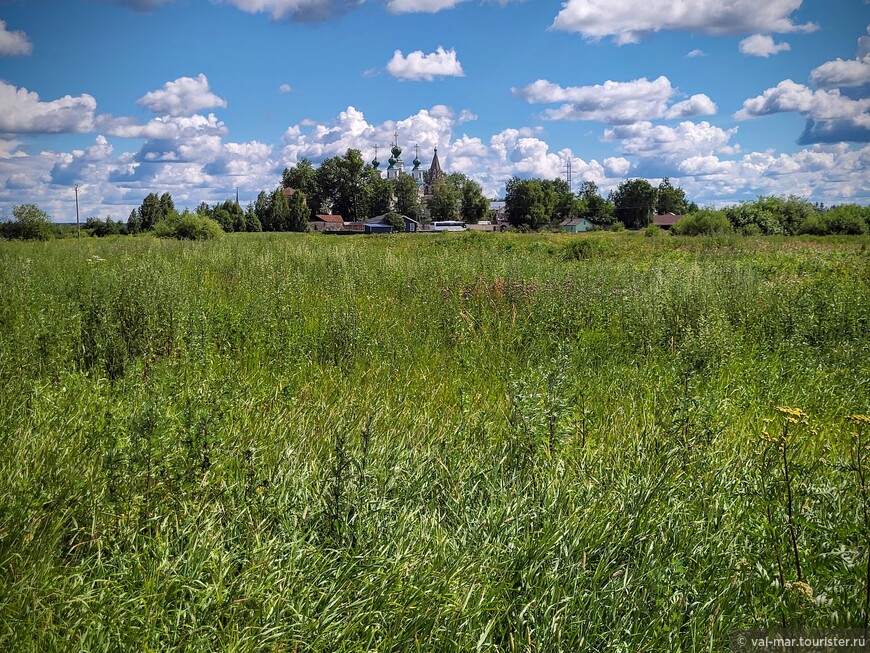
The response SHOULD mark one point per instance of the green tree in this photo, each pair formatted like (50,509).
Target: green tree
(395,221)
(380,193)
(29,223)
(252,222)
(596,208)
(297,212)
(150,212)
(342,187)
(223,218)
(671,199)
(167,206)
(635,201)
(526,203)
(134,222)
(232,216)
(263,210)
(407,197)
(303,177)
(279,212)
(107,227)
(443,202)
(474,204)
(561,204)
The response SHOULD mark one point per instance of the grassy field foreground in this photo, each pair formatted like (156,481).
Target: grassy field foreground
(449,443)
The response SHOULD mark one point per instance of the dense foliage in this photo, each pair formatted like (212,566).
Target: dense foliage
(452,443)
(187,226)
(29,222)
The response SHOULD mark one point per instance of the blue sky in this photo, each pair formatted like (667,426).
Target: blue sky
(731,99)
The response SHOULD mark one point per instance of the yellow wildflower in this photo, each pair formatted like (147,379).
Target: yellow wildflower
(792,415)
(800,587)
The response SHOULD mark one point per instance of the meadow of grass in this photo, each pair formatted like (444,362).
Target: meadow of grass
(449,443)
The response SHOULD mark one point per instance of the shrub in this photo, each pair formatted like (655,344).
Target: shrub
(187,226)
(586,249)
(703,223)
(814,226)
(847,220)
(653,231)
(107,227)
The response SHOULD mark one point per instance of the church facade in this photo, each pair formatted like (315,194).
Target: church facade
(425,179)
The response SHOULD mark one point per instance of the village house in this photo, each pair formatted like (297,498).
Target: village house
(326,223)
(666,220)
(576,225)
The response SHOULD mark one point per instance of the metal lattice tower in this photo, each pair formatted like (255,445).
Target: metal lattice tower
(568,175)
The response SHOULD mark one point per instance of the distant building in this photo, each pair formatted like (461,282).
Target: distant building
(377,228)
(425,180)
(326,223)
(411,224)
(667,220)
(576,225)
(498,210)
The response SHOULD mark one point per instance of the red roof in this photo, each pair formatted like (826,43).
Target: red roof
(288,192)
(330,218)
(666,220)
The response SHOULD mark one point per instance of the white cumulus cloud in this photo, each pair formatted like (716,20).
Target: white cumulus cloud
(285,88)
(301,10)
(762,45)
(23,112)
(428,6)
(182,97)
(13,43)
(840,73)
(420,66)
(831,117)
(662,142)
(614,102)
(420,6)
(628,21)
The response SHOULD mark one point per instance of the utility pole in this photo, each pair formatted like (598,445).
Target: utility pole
(78,226)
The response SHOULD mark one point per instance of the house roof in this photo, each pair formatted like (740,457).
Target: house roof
(667,219)
(573,223)
(329,218)
(289,192)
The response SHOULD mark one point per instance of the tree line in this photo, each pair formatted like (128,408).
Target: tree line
(346,186)
(538,203)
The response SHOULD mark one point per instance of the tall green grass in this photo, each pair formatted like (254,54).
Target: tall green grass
(453,443)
